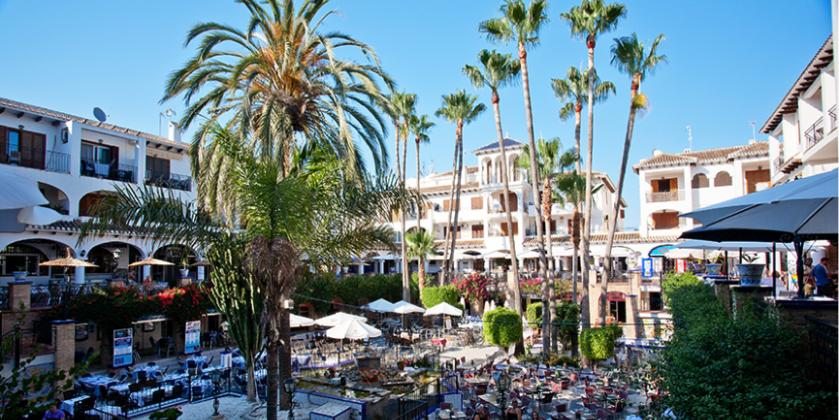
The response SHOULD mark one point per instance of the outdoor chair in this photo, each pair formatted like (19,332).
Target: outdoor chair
(151,364)
(151,383)
(601,414)
(157,396)
(111,375)
(135,388)
(615,409)
(141,376)
(177,391)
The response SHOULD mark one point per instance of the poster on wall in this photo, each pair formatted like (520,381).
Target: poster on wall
(647,268)
(192,341)
(123,342)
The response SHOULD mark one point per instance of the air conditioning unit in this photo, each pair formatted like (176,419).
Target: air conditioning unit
(65,135)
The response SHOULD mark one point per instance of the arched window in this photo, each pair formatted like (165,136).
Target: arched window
(699,181)
(723,179)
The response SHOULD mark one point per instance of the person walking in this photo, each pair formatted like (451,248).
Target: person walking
(824,286)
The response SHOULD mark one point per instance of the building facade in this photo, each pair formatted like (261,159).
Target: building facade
(76,161)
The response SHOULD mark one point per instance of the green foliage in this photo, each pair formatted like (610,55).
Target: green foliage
(717,363)
(320,289)
(534,315)
(617,331)
(169,413)
(502,327)
(17,404)
(109,308)
(433,296)
(597,343)
(567,316)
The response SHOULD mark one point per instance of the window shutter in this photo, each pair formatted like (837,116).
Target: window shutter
(477,231)
(674,184)
(504,230)
(3,144)
(446,204)
(39,144)
(114,161)
(477,203)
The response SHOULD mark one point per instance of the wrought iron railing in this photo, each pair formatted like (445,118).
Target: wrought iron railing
(29,157)
(53,295)
(777,163)
(122,173)
(169,180)
(832,114)
(815,133)
(664,196)
(4,298)
(823,351)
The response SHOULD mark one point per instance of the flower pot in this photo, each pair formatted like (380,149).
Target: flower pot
(750,274)
(713,269)
(184,272)
(19,275)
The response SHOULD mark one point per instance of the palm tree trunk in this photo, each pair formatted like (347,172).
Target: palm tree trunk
(513,286)
(419,206)
(285,356)
(575,264)
(551,285)
(445,273)
(540,237)
(613,222)
(585,308)
(456,204)
(406,270)
(421,275)
(273,365)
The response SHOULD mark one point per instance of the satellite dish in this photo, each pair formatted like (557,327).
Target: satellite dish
(99,114)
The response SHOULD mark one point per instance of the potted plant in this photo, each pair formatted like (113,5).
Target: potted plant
(185,267)
(20,274)
(169,414)
(400,365)
(715,268)
(750,274)
(331,372)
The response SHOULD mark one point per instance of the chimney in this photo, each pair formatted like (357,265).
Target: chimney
(751,141)
(174,132)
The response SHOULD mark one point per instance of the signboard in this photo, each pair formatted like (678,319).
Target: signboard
(647,268)
(123,347)
(192,342)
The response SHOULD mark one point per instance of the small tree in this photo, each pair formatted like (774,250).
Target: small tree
(597,344)
(433,296)
(534,315)
(567,323)
(502,327)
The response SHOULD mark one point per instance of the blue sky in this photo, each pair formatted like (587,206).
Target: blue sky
(730,63)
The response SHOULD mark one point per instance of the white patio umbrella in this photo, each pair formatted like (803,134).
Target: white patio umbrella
(529,254)
(338,318)
(298,321)
(381,305)
(19,192)
(37,215)
(725,246)
(497,254)
(403,307)
(684,253)
(353,330)
(443,309)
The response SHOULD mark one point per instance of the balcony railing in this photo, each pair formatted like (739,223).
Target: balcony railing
(123,173)
(815,133)
(169,180)
(664,196)
(777,163)
(29,157)
(832,114)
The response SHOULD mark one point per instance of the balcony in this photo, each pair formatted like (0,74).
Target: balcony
(665,196)
(777,164)
(123,173)
(815,133)
(169,180)
(28,157)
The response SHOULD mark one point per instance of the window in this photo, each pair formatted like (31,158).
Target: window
(477,203)
(12,141)
(22,148)
(447,204)
(514,202)
(88,203)
(617,309)
(723,179)
(665,220)
(665,185)
(757,180)
(505,232)
(99,160)
(699,181)
(477,231)
(446,233)
(656,304)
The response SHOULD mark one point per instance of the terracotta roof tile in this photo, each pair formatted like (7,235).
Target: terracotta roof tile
(508,142)
(760,148)
(447,188)
(600,238)
(469,170)
(464,243)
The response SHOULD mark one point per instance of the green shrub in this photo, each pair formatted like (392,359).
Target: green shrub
(502,327)
(617,331)
(534,315)
(433,296)
(597,343)
(320,290)
(567,318)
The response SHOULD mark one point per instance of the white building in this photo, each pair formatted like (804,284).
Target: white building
(75,162)
(482,221)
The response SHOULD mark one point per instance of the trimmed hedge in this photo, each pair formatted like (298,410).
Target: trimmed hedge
(433,296)
(502,327)
(567,322)
(534,315)
(325,288)
(597,343)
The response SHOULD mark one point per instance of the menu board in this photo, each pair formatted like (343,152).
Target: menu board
(647,268)
(123,345)
(192,342)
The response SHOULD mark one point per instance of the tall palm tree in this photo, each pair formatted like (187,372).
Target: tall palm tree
(637,60)
(588,21)
(458,108)
(574,89)
(285,81)
(521,24)
(403,108)
(572,187)
(420,245)
(499,70)
(420,127)
(550,163)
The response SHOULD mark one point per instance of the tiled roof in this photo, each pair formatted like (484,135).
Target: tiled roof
(447,188)
(464,243)
(67,117)
(759,148)
(600,238)
(508,142)
(469,170)
(790,102)
(75,226)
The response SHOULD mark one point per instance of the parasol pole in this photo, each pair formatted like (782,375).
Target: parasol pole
(725,264)
(774,273)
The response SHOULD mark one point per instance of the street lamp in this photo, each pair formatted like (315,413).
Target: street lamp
(290,386)
(503,382)
(216,378)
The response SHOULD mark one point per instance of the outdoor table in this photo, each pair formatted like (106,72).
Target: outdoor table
(94,381)
(448,415)
(439,342)
(150,370)
(199,361)
(69,405)
(106,412)
(477,381)
(489,398)
(119,388)
(175,377)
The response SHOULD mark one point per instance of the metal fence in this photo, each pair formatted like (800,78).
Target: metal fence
(55,294)
(4,298)
(823,351)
